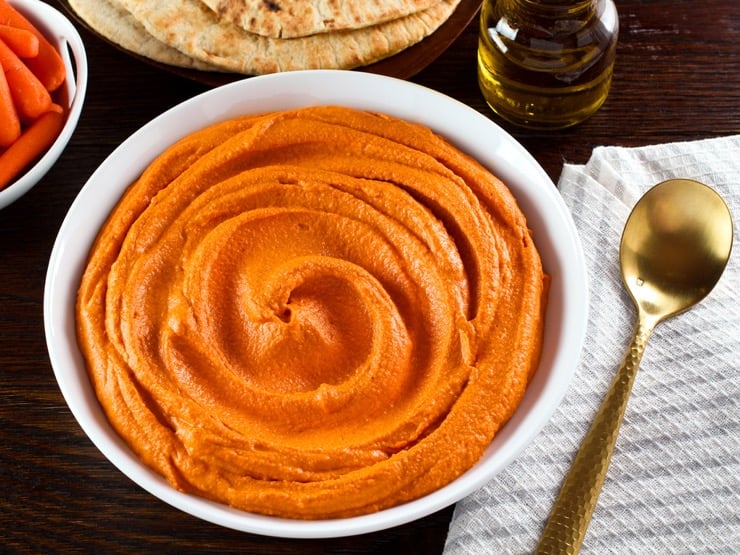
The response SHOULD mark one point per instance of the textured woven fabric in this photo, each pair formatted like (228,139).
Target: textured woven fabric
(673,485)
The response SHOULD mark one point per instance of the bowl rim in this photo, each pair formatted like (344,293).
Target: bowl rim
(480,137)
(64,37)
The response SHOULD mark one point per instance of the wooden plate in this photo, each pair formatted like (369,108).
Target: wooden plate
(403,65)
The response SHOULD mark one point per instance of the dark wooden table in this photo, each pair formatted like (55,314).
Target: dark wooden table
(677,78)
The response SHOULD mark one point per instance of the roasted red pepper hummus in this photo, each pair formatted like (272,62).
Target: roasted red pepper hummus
(312,314)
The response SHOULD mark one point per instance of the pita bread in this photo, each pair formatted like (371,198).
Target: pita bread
(299,18)
(192,28)
(121,28)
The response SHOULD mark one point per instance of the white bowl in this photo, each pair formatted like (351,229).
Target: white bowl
(554,234)
(60,32)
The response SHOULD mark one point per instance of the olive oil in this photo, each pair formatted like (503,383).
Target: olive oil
(546,63)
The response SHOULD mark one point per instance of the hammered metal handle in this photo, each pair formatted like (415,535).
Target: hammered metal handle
(571,514)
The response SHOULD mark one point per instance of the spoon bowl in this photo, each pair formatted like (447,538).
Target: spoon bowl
(674,248)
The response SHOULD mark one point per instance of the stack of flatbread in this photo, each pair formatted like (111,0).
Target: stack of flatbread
(265,36)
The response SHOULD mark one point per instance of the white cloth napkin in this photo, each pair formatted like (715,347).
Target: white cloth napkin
(673,485)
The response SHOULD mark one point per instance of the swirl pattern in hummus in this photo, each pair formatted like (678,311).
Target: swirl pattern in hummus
(313,314)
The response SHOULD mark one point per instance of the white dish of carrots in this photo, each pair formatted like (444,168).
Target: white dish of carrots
(43,80)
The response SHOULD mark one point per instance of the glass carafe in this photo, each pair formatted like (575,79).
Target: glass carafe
(546,63)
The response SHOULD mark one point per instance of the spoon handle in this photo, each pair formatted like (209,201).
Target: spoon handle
(570,516)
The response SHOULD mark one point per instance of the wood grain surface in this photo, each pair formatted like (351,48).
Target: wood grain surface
(677,78)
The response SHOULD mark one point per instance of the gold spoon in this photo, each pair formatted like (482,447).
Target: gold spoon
(674,248)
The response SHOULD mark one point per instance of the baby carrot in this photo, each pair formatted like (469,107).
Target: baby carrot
(30,145)
(47,65)
(24,43)
(29,95)
(10,125)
